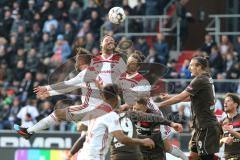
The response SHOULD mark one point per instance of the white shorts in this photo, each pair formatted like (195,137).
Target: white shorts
(77,112)
(165,131)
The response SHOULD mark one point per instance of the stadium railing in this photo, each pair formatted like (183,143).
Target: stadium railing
(222,86)
(215,26)
(168,25)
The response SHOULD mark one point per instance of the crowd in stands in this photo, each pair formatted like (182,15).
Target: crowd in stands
(36,36)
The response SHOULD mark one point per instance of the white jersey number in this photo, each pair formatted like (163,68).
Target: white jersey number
(127,127)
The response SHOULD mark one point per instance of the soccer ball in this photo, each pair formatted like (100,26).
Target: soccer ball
(116,15)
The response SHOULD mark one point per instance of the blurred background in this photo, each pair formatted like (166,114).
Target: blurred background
(37,36)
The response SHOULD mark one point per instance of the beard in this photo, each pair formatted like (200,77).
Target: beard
(109,47)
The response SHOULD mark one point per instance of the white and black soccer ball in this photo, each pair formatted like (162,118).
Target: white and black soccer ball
(116,15)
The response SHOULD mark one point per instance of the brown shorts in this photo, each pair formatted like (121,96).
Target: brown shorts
(126,156)
(232,157)
(206,141)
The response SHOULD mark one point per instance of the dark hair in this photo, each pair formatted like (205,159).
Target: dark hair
(141,55)
(83,53)
(110,91)
(203,62)
(142,101)
(234,97)
(137,57)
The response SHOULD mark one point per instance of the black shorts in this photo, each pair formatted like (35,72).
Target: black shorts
(153,157)
(124,156)
(206,141)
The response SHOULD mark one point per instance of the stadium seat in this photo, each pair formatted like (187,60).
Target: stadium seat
(184,55)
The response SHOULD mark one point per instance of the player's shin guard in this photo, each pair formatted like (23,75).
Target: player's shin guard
(175,151)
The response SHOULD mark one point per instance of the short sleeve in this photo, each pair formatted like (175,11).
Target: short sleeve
(113,122)
(194,86)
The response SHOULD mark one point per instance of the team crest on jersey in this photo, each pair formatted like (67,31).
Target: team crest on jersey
(200,144)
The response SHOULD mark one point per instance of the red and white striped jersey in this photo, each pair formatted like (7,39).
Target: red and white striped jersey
(133,87)
(86,80)
(99,136)
(109,68)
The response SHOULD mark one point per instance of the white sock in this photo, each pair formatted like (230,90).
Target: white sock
(43,124)
(178,153)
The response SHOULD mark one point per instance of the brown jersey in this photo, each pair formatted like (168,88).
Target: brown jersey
(127,121)
(121,151)
(202,97)
(232,150)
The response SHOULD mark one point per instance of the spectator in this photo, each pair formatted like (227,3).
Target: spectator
(11,51)
(16,22)
(95,23)
(27,43)
(86,15)
(6,75)
(45,47)
(225,45)
(75,12)
(126,7)
(90,41)
(28,13)
(80,42)
(61,50)
(26,87)
(84,29)
(237,47)
(142,45)
(4,114)
(50,23)
(184,71)
(19,71)
(181,13)
(20,35)
(60,10)
(161,48)
(208,44)
(33,62)
(7,24)
(3,54)
(46,110)
(11,114)
(69,33)
(152,57)
(40,79)
(20,55)
(215,61)
(36,34)
(140,8)
(45,10)
(172,72)
(28,114)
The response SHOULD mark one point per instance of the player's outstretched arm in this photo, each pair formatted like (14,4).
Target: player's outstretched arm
(175,99)
(136,116)
(165,96)
(121,137)
(77,145)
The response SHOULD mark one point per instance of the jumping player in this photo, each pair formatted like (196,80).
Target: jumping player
(101,129)
(87,80)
